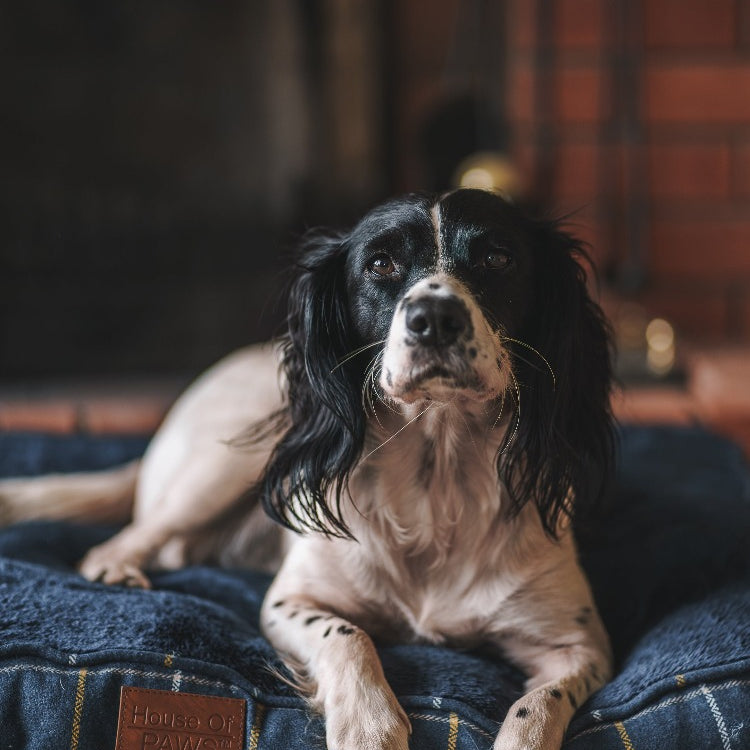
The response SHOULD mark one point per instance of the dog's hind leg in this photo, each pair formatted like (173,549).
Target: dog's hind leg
(100,497)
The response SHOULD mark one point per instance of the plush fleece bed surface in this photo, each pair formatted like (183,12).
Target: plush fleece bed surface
(670,566)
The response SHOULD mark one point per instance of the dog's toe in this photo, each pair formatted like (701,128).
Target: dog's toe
(113,573)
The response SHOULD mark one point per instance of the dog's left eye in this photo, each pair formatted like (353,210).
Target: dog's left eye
(497,260)
(382,265)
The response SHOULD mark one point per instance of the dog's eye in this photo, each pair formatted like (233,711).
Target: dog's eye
(497,260)
(382,265)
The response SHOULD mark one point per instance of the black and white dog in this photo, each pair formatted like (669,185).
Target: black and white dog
(442,413)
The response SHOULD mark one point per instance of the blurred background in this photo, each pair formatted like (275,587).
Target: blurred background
(159,157)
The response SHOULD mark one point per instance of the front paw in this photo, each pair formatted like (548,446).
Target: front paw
(370,720)
(532,724)
(104,567)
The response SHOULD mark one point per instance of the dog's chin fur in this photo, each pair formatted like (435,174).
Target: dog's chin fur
(441,390)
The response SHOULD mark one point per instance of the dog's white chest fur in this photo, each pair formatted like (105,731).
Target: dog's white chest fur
(434,557)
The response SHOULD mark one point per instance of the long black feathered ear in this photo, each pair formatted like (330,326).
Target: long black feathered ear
(564,442)
(326,424)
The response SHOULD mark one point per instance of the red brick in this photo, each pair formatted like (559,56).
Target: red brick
(710,93)
(741,170)
(742,311)
(690,23)
(521,107)
(577,171)
(38,416)
(696,171)
(654,405)
(579,23)
(701,249)
(720,383)
(522,23)
(580,94)
(696,314)
(125,415)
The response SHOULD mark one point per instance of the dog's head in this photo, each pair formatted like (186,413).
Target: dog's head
(461,298)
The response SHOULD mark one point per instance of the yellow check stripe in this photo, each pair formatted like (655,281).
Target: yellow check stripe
(452,731)
(260,715)
(620,727)
(78,710)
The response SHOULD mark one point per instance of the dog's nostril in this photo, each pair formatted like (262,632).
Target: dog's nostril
(437,321)
(417,322)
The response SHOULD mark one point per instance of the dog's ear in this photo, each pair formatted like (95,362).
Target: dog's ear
(562,453)
(325,420)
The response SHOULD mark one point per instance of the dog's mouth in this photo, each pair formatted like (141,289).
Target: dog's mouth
(437,382)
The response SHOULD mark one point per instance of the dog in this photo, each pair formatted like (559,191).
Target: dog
(408,460)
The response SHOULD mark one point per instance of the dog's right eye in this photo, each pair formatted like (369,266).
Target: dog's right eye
(382,265)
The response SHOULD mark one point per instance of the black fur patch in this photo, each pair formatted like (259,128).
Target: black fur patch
(345,630)
(314,618)
(522,713)
(555,693)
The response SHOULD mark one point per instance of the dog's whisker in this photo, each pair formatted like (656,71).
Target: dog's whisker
(517,420)
(356,353)
(536,351)
(400,430)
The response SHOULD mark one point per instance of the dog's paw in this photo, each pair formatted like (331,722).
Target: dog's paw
(103,568)
(531,724)
(374,722)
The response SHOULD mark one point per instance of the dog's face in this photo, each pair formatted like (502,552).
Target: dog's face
(462,300)
(441,284)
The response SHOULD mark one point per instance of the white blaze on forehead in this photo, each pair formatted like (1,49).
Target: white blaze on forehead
(440,259)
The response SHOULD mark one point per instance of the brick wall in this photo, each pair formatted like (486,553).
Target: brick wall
(634,114)
(649,134)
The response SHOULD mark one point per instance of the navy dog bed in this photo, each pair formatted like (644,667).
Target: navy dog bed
(669,564)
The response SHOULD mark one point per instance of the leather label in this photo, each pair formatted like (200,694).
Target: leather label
(162,720)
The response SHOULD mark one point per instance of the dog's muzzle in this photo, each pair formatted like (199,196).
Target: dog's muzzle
(440,347)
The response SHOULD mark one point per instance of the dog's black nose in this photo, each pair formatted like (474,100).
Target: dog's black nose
(437,321)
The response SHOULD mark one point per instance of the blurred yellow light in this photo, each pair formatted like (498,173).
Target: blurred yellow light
(660,357)
(660,335)
(488,170)
(477,177)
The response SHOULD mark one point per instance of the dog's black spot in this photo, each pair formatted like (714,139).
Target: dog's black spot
(582,619)
(389,378)
(293,614)
(328,632)
(345,630)
(558,646)
(279,603)
(472,352)
(572,699)
(433,285)
(594,672)
(314,618)
(555,693)
(522,713)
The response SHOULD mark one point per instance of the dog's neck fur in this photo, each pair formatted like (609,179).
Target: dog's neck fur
(428,478)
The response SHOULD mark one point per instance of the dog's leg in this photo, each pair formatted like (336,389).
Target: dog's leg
(100,496)
(561,678)
(336,665)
